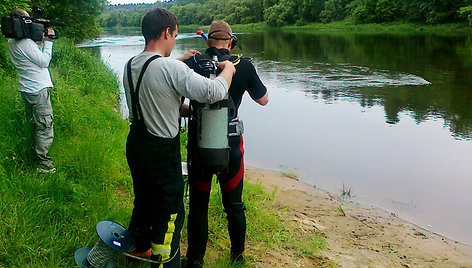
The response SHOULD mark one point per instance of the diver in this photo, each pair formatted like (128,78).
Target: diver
(220,41)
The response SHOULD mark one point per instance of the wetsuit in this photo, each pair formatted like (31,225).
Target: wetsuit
(231,181)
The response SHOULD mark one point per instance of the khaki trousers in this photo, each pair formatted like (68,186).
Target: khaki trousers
(39,111)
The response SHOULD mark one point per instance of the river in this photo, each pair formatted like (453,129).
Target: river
(386,116)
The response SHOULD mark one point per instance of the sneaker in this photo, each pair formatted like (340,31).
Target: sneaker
(46,170)
(138,256)
(146,254)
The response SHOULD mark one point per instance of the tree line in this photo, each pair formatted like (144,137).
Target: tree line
(289,12)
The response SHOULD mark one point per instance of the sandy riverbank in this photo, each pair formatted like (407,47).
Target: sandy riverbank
(362,238)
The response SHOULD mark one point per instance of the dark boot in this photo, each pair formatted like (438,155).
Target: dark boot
(192,263)
(237,258)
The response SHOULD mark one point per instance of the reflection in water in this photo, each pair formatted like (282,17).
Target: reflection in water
(383,68)
(389,116)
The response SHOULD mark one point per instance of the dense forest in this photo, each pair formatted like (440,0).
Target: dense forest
(289,12)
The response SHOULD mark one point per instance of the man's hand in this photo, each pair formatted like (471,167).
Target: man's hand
(184,110)
(227,64)
(50,32)
(189,54)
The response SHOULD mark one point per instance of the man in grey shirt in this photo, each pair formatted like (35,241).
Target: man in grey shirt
(154,87)
(32,61)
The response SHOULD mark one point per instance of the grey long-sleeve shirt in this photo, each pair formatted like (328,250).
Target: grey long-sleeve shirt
(31,62)
(164,83)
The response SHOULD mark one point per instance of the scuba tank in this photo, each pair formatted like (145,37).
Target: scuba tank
(209,125)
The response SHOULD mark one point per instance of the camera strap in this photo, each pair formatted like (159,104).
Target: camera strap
(136,107)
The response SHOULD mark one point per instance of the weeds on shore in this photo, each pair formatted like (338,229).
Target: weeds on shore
(289,172)
(341,210)
(290,175)
(346,193)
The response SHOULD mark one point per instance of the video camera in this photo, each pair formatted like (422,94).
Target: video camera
(19,27)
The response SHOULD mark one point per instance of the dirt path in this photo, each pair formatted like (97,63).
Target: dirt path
(364,237)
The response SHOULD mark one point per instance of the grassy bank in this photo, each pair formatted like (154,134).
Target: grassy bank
(452,28)
(45,218)
(346,26)
(335,27)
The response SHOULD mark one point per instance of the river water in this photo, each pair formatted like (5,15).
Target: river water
(386,116)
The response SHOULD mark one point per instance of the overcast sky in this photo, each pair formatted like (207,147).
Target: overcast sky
(116,2)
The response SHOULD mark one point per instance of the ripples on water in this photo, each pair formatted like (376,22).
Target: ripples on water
(315,78)
(336,77)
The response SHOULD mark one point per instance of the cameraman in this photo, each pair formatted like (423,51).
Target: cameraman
(31,60)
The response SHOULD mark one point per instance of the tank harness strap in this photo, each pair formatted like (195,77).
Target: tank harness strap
(136,107)
(235,59)
(183,130)
(235,127)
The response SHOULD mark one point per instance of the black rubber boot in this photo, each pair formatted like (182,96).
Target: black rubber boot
(237,258)
(192,263)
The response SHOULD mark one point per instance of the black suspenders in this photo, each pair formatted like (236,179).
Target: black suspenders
(136,107)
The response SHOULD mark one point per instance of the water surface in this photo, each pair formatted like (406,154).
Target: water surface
(387,116)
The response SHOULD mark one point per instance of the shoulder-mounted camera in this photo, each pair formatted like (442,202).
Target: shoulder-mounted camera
(19,27)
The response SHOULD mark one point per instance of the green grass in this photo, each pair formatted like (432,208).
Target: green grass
(395,27)
(250,27)
(265,229)
(341,210)
(122,30)
(45,218)
(344,26)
